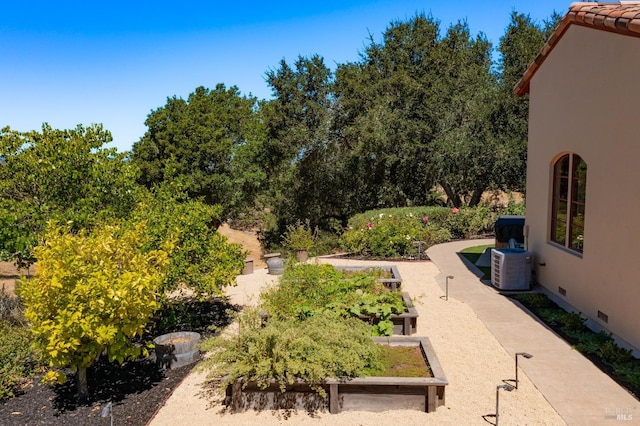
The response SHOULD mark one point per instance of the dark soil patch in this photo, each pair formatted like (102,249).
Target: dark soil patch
(136,389)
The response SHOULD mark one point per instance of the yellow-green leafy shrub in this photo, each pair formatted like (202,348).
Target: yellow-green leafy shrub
(91,294)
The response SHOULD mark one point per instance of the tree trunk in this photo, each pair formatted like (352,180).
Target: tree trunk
(452,197)
(476,197)
(82,385)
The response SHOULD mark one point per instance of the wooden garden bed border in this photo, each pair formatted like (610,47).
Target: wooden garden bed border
(433,388)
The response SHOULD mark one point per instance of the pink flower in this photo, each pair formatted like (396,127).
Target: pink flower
(425,219)
(369,225)
(455,210)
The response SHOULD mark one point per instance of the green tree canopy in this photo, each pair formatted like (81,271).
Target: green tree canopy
(198,256)
(67,175)
(521,42)
(205,143)
(303,157)
(387,114)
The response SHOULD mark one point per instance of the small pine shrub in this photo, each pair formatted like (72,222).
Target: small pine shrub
(285,350)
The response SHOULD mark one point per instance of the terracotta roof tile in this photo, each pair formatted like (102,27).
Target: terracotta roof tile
(621,18)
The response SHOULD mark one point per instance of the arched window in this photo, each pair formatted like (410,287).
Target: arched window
(569,190)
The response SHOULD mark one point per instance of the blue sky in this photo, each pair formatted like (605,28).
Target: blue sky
(71,62)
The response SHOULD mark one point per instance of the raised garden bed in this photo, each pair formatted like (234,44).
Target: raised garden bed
(354,394)
(404,324)
(307,289)
(392,279)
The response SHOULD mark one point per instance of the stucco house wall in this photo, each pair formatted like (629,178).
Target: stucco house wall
(585,99)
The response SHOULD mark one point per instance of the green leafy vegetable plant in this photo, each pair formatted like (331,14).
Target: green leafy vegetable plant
(306,290)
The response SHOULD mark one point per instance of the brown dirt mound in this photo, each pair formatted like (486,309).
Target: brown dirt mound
(248,240)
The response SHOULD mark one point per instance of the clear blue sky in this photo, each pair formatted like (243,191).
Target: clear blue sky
(113,62)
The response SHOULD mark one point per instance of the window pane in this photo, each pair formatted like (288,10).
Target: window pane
(562,166)
(559,227)
(563,188)
(578,191)
(579,180)
(579,168)
(568,201)
(577,227)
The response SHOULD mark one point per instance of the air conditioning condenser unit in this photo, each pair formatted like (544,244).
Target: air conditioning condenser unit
(511,268)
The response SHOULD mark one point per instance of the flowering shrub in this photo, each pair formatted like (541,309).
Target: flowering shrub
(390,233)
(470,222)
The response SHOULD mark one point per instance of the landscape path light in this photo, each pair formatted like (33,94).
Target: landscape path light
(446,287)
(524,354)
(107,411)
(506,387)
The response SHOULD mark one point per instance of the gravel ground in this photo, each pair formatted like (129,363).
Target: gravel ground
(472,359)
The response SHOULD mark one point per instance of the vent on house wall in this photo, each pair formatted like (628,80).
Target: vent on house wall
(562,291)
(604,317)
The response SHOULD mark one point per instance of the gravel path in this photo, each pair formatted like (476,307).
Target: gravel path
(472,359)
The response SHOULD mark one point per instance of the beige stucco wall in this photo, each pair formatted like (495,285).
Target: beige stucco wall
(585,98)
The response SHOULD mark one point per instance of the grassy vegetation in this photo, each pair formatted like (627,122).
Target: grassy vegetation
(472,254)
(17,362)
(401,361)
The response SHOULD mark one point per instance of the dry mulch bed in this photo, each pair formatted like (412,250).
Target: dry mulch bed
(137,389)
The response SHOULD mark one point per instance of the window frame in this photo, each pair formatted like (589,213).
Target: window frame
(568,202)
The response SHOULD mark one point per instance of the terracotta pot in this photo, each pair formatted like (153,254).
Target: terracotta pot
(302,255)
